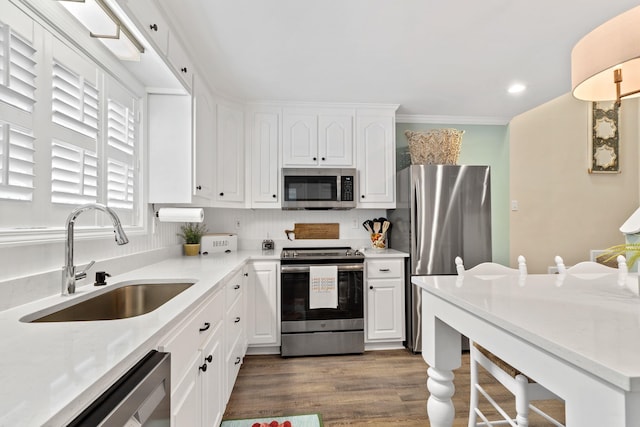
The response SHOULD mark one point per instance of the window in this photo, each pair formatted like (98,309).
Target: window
(69,132)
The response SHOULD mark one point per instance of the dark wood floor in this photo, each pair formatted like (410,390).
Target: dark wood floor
(380,388)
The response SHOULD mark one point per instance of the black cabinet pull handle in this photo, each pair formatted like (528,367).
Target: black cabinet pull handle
(207,325)
(236,287)
(153,27)
(237,320)
(183,69)
(237,360)
(209,358)
(203,368)
(246,274)
(199,187)
(384,269)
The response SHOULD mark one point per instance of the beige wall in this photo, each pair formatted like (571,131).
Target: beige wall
(563,210)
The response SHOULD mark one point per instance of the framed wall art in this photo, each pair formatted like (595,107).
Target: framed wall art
(604,138)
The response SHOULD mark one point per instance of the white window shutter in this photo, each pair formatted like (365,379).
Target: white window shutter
(17,70)
(16,163)
(74,174)
(74,102)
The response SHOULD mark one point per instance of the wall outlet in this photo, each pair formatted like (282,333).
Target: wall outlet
(237,223)
(514,205)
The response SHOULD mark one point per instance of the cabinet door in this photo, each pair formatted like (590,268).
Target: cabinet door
(211,381)
(265,171)
(170,145)
(385,315)
(204,144)
(262,304)
(229,156)
(375,148)
(335,139)
(185,400)
(180,61)
(299,139)
(151,22)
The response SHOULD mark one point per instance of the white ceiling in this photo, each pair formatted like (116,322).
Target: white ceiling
(434,58)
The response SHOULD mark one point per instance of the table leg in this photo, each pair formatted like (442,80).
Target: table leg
(439,405)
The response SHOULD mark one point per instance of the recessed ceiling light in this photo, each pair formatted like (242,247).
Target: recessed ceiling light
(516,88)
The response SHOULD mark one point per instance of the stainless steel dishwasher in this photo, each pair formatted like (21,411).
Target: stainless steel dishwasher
(141,397)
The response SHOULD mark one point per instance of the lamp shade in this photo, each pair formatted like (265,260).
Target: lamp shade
(613,45)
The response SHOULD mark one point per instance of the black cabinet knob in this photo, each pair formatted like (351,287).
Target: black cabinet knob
(274,196)
(203,368)
(153,27)
(236,287)
(221,194)
(315,158)
(362,196)
(209,358)
(370,287)
(199,187)
(246,274)
(206,326)
(323,159)
(183,69)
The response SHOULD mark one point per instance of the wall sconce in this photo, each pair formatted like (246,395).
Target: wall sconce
(104,25)
(605,64)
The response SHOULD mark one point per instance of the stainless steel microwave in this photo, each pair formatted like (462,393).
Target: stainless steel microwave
(319,188)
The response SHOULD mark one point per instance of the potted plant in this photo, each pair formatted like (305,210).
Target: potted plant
(631,251)
(191,233)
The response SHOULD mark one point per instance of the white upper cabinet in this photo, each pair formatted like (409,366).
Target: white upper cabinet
(170,148)
(317,137)
(263,135)
(204,144)
(151,22)
(229,163)
(375,142)
(180,61)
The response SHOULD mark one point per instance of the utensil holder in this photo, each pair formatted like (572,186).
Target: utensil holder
(378,241)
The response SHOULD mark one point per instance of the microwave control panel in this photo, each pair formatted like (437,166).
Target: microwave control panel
(347,189)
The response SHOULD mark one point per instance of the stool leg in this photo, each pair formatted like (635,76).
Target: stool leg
(522,401)
(473,368)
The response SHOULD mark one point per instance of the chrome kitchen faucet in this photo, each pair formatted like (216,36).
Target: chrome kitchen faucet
(69,275)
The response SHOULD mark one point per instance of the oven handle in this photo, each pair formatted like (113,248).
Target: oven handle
(304,268)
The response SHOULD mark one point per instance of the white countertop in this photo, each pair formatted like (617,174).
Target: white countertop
(384,253)
(589,320)
(51,371)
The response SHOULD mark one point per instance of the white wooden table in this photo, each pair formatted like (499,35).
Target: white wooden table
(579,336)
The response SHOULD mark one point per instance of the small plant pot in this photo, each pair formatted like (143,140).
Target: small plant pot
(191,249)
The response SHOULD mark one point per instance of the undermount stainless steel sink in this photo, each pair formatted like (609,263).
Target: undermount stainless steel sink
(119,303)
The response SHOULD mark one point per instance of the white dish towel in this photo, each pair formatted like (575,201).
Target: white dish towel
(323,286)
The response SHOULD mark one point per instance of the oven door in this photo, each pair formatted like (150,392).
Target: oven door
(295,294)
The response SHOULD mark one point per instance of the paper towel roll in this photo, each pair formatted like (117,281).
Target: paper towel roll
(180,214)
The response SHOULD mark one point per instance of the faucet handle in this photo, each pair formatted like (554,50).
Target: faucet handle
(83,273)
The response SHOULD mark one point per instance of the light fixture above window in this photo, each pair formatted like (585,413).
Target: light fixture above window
(516,88)
(605,64)
(105,25)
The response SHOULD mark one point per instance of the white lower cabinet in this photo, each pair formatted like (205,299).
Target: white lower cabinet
(385,300)
(207,349)
(235,338)
(263,304)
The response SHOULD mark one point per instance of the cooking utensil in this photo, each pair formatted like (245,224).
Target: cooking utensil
(385,227)
(367,227)
(376,227)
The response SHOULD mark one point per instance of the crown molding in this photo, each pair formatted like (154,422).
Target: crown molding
(456,120)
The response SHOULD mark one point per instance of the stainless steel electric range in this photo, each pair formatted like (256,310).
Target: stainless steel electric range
(309,330)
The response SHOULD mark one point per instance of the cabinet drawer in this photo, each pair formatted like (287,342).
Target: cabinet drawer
(185,341)
(234,324)
(233,290)
(384,268)
(234,361)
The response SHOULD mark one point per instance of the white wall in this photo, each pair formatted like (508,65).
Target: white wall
(564,210)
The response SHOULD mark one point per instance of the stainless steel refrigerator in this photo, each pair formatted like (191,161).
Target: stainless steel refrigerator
(442,211)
